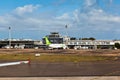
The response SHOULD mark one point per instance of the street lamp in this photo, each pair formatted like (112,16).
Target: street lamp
(9,37)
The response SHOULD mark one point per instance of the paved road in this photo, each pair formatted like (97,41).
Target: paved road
(111,68)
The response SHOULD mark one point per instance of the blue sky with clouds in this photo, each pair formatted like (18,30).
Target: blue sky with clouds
(36,18)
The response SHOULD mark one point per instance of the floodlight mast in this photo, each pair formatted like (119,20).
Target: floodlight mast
(66,26)
(10,37)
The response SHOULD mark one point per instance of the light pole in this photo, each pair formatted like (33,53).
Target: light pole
(66,37)
(9,37)
(66,26)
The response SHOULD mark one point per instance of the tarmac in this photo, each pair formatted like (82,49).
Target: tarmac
(81,69)
(99,70)
(64,78)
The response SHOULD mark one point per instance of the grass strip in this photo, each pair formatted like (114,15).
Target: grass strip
(55,57)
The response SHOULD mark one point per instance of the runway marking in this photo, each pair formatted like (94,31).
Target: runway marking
(13,63)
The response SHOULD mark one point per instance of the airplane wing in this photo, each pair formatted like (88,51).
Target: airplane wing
(13,63)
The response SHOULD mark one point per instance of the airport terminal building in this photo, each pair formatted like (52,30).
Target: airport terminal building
(91,44)
(19,43)
(54,38)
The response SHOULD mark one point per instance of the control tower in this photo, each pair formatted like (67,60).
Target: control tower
(54,38)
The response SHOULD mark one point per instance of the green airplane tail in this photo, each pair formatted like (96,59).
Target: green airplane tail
(47,41)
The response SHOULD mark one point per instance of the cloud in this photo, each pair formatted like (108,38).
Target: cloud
(90,2)
(26,9)
(90,20)
(89,17)
(64,16)
(2,20)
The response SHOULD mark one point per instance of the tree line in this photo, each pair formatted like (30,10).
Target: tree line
(117,45)
(90,38)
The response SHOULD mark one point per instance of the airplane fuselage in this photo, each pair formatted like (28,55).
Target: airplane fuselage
(58,46)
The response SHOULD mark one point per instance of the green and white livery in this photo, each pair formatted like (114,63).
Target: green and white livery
(54,46)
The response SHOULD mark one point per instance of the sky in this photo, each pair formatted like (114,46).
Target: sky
(33,19)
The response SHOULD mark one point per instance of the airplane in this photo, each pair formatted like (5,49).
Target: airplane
(54,46)
(14,63)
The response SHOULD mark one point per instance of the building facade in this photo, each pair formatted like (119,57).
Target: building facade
(16,43)
(54,38)
(91,44)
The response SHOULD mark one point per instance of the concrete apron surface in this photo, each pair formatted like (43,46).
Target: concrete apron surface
(63,78)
